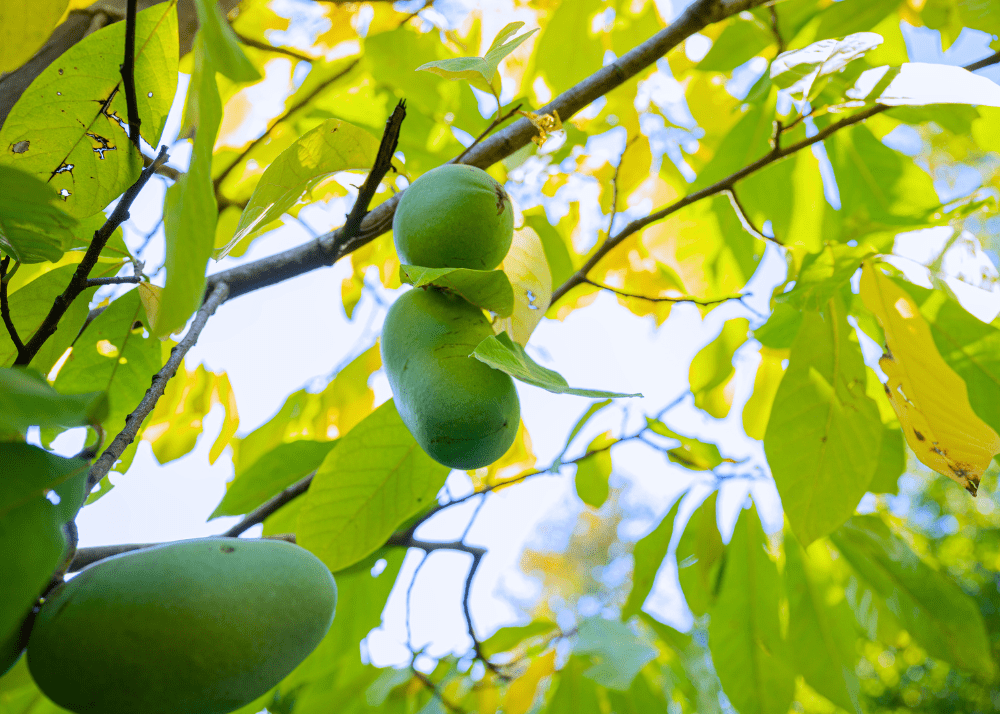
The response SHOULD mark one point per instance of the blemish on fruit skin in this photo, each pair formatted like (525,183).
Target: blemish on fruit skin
(227,549)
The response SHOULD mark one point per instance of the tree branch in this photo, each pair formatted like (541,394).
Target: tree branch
(134,420)
(332,246)
(267,47)
(777,153)
(260,514)
(692,300)
(78,283)
(116,280)
(128,74)
(5,306)
(383,162)
(493,125)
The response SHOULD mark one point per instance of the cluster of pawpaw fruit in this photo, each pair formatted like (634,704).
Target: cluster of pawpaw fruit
(462,412)
(193,627)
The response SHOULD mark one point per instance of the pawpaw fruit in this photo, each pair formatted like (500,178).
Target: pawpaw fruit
(461,411)
(454,216)
(193,627)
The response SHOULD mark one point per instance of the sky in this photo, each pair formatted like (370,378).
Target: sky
(277,340)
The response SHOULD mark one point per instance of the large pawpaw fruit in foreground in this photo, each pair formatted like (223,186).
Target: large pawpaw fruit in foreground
(194,627)
(454,216)
(462,412)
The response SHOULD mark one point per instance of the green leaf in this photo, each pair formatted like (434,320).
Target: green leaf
(507,638)
(743,38)
(32,228)
(699,557)
(481,71)
(781,327)
(500,352)
(190,210)
(939,615)
(567,51)
(31,538)
(574,693)
(475,70)
(488,289)
(823,275)
(820,633)
(880,189)
(26,399)
(618,653)
(890,464)
(112,356)
(746,142)
(332,146)
(744,633)
(593,472)
(850,16)
(640,699)
(222,45)
(556,252)
(712,369)
(28,308)
(823,429)
(374,481)
(648,555)
(276,470)
(80,149)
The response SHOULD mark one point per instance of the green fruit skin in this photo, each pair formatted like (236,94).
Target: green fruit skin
(454,216)
(462,412)
(194,627)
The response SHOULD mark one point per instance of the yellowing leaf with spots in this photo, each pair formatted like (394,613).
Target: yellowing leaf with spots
(149,294)
(521,693)
(529,273)
(930,399)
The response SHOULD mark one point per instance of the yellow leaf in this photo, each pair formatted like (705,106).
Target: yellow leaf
(518,459)
(24,28)
(149,295)
(757,411)
(521,693)
(930,399)
(529,274)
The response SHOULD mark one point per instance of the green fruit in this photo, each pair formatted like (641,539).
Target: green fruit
(195,627)
(462,412)
(454,216)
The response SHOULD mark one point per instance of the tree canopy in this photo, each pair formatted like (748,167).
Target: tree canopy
(842,156)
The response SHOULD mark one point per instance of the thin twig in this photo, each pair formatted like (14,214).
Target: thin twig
(5,307)
(266,47)
(163,170)
(647,298)
(128,74)
(78,283)
(986,62)
(744,217)
(304,101)
(775,30)
(493,125)
(409,593)
(134,420)
(260,514)
(426,681)
(116,280)
(383,162)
